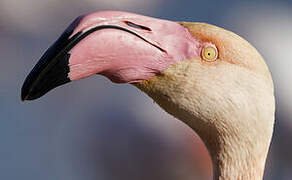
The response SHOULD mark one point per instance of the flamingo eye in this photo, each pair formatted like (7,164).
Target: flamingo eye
(209,53)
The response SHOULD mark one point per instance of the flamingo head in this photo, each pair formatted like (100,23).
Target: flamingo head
(125,47)
(208,77)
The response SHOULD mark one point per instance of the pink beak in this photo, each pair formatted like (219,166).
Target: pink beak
(122,46)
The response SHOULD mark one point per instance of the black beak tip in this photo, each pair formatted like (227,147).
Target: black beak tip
(53,67)
(51,71)
(23,97)
(25,92)
(33,89)
(43,78)
(26,96)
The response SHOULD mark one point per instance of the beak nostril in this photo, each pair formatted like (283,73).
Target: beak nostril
(137,26)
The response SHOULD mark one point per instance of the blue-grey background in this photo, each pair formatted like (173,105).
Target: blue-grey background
(93,129)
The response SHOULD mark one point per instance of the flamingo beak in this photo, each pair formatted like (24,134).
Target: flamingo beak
(53,67)
(125,53)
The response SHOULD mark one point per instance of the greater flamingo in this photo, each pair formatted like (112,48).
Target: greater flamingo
(209,78)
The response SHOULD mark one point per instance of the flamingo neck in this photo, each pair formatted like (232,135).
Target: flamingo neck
(234,155)
(235,161)
(234,117)
(225,170)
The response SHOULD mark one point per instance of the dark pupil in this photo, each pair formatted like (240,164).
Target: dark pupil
(209,54)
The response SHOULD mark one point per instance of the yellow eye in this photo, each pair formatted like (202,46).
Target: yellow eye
(209,53)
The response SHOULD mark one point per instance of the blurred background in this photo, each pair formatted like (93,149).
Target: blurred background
(94,129)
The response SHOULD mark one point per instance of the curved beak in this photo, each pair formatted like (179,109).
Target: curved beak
(52,69)
(56,67)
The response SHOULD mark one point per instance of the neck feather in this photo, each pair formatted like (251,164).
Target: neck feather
(235,155)
(235,158)
(230,107)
